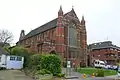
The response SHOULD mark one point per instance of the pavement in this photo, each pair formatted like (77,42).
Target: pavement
(72,73)
(113,76)
(13,75)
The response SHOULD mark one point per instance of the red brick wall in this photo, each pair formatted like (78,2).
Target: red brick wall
(61,38)
(95,54)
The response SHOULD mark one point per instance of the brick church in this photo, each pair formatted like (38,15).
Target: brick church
(65,36)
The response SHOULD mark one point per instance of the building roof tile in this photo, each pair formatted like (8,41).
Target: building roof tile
(102,45)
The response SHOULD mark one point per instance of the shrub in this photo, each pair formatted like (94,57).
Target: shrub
(52,63)
(35,61)
(100,73)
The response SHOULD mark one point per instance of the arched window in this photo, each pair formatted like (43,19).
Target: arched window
(72,35)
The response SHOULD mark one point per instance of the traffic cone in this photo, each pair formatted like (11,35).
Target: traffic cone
(93,75)
(84,76)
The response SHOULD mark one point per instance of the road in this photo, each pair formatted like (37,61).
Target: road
(13,75)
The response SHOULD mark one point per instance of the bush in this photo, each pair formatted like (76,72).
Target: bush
(34,61)
(100,73)
(43,71)
(52,63)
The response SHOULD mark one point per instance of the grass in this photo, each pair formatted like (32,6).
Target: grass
(90,71)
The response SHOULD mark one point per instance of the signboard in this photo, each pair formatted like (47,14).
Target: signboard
(68,64)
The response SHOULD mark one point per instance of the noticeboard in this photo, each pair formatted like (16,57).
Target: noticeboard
(68,64)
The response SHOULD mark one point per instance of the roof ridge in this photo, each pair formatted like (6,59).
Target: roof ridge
(42,28)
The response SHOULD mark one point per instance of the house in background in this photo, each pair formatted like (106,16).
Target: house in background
(105,51)
(10,61)
(65,35)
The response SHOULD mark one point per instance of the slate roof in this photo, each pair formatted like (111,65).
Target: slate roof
(42,28)
(102,45)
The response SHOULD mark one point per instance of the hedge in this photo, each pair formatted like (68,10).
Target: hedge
(52,63)
(35,62)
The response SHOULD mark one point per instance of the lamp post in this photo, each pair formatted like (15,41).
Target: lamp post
(68,55)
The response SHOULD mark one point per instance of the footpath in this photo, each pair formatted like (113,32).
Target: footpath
(78,76)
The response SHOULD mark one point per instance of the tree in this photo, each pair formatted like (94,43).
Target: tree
(6,37)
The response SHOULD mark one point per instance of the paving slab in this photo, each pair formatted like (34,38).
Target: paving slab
(13,75)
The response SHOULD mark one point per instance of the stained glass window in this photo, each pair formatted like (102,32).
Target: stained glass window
(72,35)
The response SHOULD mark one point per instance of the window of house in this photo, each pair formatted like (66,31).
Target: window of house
(19,58)
(39,36)
(32,40)
(35,38)
(52,34)
(42,36)
(12,58)
(46,34)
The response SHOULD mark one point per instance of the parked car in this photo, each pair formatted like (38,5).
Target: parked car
(115,67)
(99,64)
(107,67)
(111,67)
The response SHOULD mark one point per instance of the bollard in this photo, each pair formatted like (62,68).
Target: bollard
(84,76)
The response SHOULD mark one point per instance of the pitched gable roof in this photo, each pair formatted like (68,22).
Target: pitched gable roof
(102,45)
(42,28)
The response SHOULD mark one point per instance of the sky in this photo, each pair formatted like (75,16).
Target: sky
(102,16)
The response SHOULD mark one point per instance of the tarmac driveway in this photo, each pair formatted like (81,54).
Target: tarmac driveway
(13,75)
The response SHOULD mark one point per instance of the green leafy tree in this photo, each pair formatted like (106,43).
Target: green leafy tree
(6,49)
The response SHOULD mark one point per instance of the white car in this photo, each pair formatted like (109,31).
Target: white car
(99,64)
(114,67)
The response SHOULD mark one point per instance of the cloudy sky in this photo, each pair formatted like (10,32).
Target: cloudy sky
(102,16)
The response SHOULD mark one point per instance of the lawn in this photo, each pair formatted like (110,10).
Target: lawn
(90,71)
